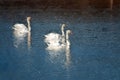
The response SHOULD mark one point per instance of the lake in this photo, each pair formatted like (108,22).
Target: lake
(93,54)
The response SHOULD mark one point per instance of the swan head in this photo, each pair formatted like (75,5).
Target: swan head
(28,18)
(63,25)
(69,32)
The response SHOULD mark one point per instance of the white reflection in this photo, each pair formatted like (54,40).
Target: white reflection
(29,40)
(68,61)
(19,38)
(68,56)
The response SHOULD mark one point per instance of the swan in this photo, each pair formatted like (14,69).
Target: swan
(56,46)
(21,31)
(56,38)
(21,28)
(56,51)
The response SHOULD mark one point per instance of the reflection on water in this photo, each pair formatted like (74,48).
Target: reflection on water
(62,56)
(68,56)
(20,38)
(29,40)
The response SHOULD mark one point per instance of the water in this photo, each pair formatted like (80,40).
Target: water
(93,55)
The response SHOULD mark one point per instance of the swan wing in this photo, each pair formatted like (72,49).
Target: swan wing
(52,38)
(20,28)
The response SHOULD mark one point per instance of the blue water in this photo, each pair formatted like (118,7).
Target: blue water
(94,50)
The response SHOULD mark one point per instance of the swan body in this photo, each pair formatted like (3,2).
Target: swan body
(56,49)
(55,45)
(20,32)
(58,39)
(21,28)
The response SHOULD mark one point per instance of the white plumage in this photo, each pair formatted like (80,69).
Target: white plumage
(57,41)
(21,29)
(20,32)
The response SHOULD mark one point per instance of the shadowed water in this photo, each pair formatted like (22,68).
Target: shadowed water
(93,54)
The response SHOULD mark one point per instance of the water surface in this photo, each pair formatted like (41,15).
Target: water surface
(93,54)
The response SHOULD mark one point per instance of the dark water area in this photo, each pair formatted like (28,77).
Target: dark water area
(93,54)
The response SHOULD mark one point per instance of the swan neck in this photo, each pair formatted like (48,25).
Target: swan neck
(29,27)
(62,30)
(67,38)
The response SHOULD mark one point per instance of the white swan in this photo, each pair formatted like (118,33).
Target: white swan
(57,39)
(21,28)
(20,32)
(59,53)
(55,45)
